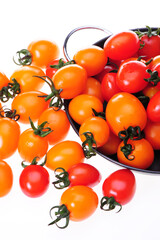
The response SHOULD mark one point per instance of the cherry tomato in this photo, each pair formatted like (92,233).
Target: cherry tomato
(34,181)
(150,90)
(142,154)
(43,51)
(152,131)
(121,185)
(131,75)
(58,122)
(29,104)
(9,135)
(98,127)
(107,69)
(108,86)
(78,174)
(71,79)
(93,88)
(124,110)
(155,61)
(80,107)
(153,108)
(64,155)
(111,146)
(3,80)
(93,59)
(6,178)
(57,63)
(122,45)
(25,77)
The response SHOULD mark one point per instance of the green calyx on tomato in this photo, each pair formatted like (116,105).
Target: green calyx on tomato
(110,203)
(87,145)
(9,113)
(24,57)
(34,162)
(61,63)
(55,93)
(10,90)
(99,114)
(61,213)
(154,78)
(149,32)
(62,179)
(41,130)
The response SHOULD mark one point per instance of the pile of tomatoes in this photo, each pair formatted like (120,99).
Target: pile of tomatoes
(115,100)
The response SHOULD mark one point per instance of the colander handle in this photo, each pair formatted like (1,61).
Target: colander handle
(78,29)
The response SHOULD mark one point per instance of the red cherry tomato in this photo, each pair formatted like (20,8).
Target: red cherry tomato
(153,108)
(53,66)
(106,69)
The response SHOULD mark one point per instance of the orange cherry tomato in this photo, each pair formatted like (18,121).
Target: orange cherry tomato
(81,201)
(93,88)
(150,90)
(9,137)
(6,178)
(29,104)
(152,133)
(71,79)
(3,80)
(124,110)
(80,107)
(111,146)
(142,154)
(98,127)
(58,122)
(25,77)
(155,61)
(64,155)
(43,51)
(93,59)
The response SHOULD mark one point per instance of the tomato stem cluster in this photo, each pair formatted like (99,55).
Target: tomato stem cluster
(9,113)
(61,63)
(87,145)
(62,177)
(34,162)
(24,57)
(110,203)
(40,130)
(10,90)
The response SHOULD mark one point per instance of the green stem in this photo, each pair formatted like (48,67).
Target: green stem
(24,57)
(40,130)
(62,178)
(88,144)
(109,203)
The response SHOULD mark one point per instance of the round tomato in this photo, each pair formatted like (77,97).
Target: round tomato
(150,90)
(6,178)
(25,77)
(98,127)
(78,174)
(29,104)
(53,66)
(9,135)
(34,181)
(131,75)
(141,155)
(64,155)
(3,80)
(122,45)
(71,79)
(153,108)
(118,189)
(80,107)
(42,52)
(124,110)
(93,59)
(93,88)
(76,204)
(152,131)
(58,122)
(108,68)
(108,86)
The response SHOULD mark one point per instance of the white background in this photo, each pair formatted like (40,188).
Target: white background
(25,218)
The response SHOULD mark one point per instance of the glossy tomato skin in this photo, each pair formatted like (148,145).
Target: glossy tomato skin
(80,107)
(121,185)
(31,145)
(84,174)
(34,181)
(3,80)
(58,122)
(109,86)
(43,51)
(6,178)
(153,108)
(142,151)
(28,104)
(122,45)
(98,127)
(107,69)
(81,201)
(152,133)
(124,110)
(50,71)
(64,155)
(9,135)
(92,59)
(25,77)
(72,79)
(93,88)
(150,90)
(131,75)
(151,46)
